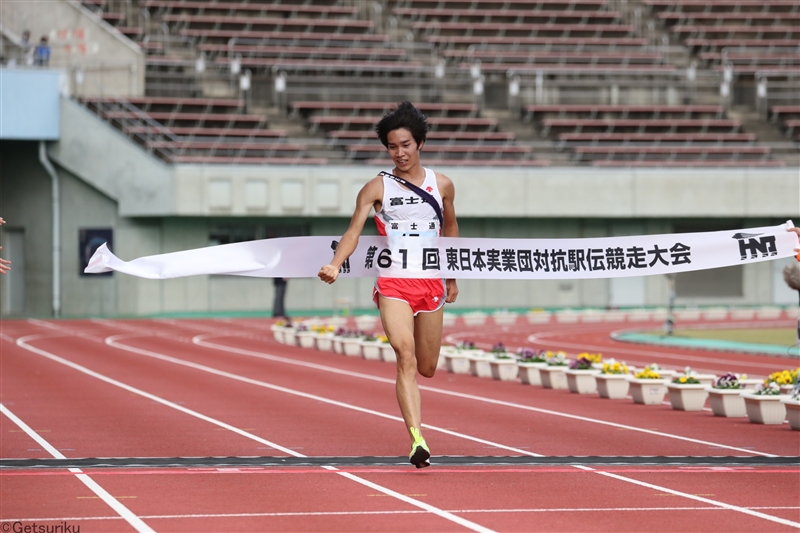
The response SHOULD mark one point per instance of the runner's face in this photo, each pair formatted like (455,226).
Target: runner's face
(403,149)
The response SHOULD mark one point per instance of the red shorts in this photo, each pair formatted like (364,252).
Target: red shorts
(423,295)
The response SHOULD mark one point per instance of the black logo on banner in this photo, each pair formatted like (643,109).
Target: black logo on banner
(749,243)
(345,268)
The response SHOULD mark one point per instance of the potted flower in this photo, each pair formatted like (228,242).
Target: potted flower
(792,404)
(476,318)
(338,335)
(581,374)
(764,405)
(277,329)
(648,387)
(529,362)
(323,337)
(387,352)
(786,379)
(371,347)
(479,363)
(504,317)
(289,336)
(351,343)
(503,363)
(686,392)
(553,376)
(305,336)
(457,360)
(612,381)
(725,396)
(366,322)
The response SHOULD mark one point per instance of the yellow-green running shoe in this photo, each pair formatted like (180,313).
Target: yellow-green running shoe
(420,453)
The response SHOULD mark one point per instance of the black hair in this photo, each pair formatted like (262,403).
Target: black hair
(405,116)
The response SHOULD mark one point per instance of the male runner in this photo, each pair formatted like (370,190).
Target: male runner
(411,309)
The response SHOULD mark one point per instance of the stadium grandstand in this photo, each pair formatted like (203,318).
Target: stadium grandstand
(162,125)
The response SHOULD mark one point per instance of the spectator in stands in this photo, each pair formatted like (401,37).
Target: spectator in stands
(411,309)
(41,56)
(26,48)
(3,262)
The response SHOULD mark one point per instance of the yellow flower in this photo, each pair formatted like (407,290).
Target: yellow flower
(683,379)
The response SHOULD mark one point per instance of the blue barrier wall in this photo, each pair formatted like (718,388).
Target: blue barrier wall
(29,104)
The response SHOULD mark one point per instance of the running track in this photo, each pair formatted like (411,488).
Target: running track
(224,388)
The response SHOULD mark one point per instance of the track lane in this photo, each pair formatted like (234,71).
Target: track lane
(363,362)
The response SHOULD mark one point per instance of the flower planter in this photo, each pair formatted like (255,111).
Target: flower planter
(479,366)
(726,402)
(529,373)
(337,344)
(387,353)
(787,389)
(750,383)
(553,377)
(371,350)
(277,332)
(540,317)
(504,319)
(289,336)
(764,408)
(457,362)
(441,364)
(687,396)
(366,322)
(648,391)
(613,386)
(305,339)
(324,341)
(581,381)
(504,369)
(474,319)
(792,412)
(707,380)
(351,346)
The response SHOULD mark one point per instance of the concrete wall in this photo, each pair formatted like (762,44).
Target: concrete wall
(110,162)
(537,192)
(25,201)
(111,63)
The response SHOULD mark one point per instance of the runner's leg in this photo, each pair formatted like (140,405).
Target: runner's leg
(398,323)
(428,340)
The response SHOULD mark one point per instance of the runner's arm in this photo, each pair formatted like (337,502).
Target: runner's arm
(371,192)
(448,191)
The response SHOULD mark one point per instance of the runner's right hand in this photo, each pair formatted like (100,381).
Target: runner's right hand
(328,274)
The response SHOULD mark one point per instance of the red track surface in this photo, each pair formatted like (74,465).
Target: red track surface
(199,388)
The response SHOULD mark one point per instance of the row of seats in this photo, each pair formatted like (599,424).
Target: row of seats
(313,38)
(676,134)
(201,130)
(788,119)
(459,135)
(762,34)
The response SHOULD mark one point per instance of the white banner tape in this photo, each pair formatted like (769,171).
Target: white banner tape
(464,258)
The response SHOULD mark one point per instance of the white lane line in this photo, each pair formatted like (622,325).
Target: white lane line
(137,523)
(199,340)
(405,512)
(22,342)
(736,508)
(113,341)
(615,476)
(666,490)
